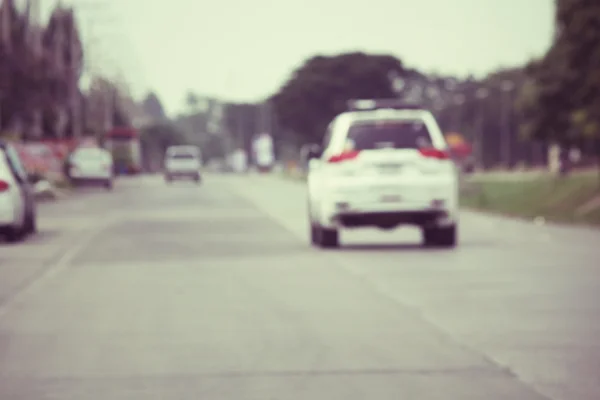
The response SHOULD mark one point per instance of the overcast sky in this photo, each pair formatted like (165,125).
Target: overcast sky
(245,49)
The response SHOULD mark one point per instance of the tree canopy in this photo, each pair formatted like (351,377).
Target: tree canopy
(155,139)
(40,70)
(163,135)
(153,106)
(511,116)
(321,87)
(476,108)
(102,98)
(241,122)
(192,100)
(561,103)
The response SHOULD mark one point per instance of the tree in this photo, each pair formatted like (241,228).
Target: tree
(64,51)
(106,100)
(163,135)
(37,81)
(153,107)
(241,122)
(320,89)
(215,147)
(18,67)
(155,139)
(61,38)
(482,111)
(192,101)
(44,82)
(202,124)
(120,116)
(562,101)
(579,40)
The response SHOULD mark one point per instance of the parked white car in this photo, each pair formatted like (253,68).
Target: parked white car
(91,165)
(183,162)
(383,165)
(17,197)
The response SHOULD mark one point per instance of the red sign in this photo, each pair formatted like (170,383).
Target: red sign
(122,132)
(37,158)
(45,156)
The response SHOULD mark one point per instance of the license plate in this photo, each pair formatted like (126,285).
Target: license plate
(390,165)
(391,199)
(389,168)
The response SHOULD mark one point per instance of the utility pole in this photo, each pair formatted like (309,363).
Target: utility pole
(260,122)
(239,131)
(109,107)
(36,27)
(36,37)
(269,128)
(95,64)
(6,25)
(101,107)
(6,39)
(267,106)
(58,55)
(266,119)
(507,88)
(459,101)
(74,68)
(481,94)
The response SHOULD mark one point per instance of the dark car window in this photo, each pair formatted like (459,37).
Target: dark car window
(182,156)
(371,135)
(88,154)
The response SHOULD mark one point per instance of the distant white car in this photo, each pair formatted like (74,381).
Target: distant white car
(383,165)
(17,201)
(183,162)
(91,165)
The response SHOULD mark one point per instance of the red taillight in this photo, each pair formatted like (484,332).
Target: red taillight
(434,153)
(345,156)
(4,186)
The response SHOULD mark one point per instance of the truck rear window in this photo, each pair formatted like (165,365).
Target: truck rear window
(372,135)
(182,156)
(89,154)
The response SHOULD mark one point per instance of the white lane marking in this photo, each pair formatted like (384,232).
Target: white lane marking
(55,268)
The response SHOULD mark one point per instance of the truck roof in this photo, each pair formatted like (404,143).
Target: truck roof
(183,149)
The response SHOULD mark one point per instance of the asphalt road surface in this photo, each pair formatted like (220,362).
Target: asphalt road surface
(212,292)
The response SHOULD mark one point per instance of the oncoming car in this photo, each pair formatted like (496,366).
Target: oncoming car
(183,162)
(91,165)
(382,164)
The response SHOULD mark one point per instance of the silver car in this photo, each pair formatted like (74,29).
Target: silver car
(183,162)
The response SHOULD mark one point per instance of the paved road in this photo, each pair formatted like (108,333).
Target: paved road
(211,292)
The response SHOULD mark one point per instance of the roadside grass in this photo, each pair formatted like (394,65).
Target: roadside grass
(554,199)
(551,198)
